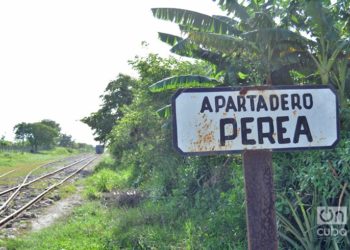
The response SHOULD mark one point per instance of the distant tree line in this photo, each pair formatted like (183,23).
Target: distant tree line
(43,135)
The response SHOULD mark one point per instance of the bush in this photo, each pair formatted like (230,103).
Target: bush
(104,180)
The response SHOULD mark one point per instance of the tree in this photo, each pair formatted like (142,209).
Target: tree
(52,124)
(22,131)
(38,134)
(117,94)
(66,141)
(4,142)
(41,135)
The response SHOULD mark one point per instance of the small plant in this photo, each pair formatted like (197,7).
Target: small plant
(300,229)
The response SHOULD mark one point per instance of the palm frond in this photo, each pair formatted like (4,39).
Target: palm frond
(188,81)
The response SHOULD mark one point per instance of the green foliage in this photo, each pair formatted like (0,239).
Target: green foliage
(41,135)
(117,94)
(196,20)
(299,228)
(38,134)
(66,141)
(273,50)
(306,180)
(254,43)
(195,192)
(322,170)
(51,124)
(4,143)
(303,233)
(105,180)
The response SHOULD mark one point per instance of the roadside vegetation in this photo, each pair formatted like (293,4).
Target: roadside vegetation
(166,201)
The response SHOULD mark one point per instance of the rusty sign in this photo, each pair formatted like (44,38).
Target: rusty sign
(231,120)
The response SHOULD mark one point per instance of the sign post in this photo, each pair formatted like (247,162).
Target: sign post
(260,196)
(255,121)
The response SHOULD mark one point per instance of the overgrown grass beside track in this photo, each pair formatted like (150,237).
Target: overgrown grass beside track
(152,224)
(24,162)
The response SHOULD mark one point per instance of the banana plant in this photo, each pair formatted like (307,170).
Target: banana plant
(246,49)
(251,42)
(255,39)
(329,43)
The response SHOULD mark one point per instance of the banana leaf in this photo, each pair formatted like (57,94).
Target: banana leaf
(188,81)
(196,20)
(223,43)
(169,39)
(164,112)
(232,6)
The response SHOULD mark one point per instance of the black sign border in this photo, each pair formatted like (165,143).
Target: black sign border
(247,89)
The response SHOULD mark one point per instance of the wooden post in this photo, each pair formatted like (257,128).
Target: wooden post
(259,188)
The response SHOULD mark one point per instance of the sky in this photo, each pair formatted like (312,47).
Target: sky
(56,57)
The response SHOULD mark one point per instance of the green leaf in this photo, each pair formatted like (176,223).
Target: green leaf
(184,48)
(294,19)
(169,39)
(275,35)
(230,21)
(195,20)
(164,112)
(223,43)
(321,20)
(232,6)
(242,75)
(188,81)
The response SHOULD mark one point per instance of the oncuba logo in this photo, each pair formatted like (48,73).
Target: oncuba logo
(331,215)
(327,217)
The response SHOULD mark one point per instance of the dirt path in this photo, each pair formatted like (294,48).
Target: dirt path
(58,210)
(62,207)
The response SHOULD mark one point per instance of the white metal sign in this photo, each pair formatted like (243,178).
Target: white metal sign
(229,120)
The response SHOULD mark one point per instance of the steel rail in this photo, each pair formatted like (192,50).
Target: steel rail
(38,197)
(4,206)
(42,177)
(9,172)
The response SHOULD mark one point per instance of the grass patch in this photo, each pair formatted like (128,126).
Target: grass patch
(24,162)
(94,226)
(89,227)
(66,190)
(105,179)
(152,225)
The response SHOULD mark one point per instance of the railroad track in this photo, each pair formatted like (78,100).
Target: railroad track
(15,200)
